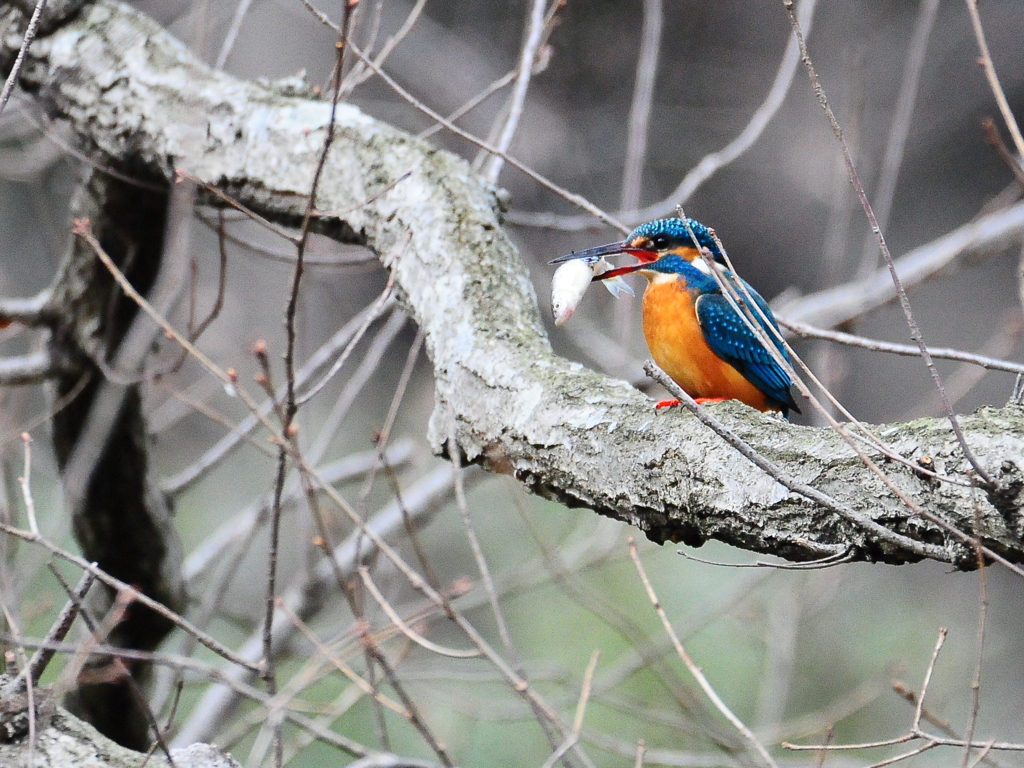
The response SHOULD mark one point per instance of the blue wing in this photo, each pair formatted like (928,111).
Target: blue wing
(730,339)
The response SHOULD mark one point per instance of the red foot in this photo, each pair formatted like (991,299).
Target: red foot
(699,400)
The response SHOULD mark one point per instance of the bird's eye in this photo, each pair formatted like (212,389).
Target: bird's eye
(660,242)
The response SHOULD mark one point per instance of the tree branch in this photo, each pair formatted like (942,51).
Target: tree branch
(64,741)
(31,311)
(32,368)
(139,100)
(842,303)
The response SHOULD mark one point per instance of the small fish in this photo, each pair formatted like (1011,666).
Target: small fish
(616,285)
(571,281)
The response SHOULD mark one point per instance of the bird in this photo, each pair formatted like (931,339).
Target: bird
(692,330)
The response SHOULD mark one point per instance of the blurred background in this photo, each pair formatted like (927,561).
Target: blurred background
(793,653)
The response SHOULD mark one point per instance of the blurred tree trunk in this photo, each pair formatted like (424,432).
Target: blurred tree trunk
(120,518)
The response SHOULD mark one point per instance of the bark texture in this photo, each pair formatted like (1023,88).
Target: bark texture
(138,100)
(63,741)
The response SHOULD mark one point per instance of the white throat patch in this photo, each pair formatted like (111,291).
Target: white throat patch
(661,277)
(702,265)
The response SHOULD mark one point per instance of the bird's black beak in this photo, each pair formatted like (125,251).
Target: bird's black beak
(593,254)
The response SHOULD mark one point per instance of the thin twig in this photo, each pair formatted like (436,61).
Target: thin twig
(516,682)
(30,34)
(354,77)
(640,108)
(375,310)
(588,681)
(916,727)
(23,661)
(25,481)
(829,561)
(539,65)
(979,651)
(993,78)
(321,733)
(384,434)
(116,670)
(983,754)
(901,120)
(559,753)
(340,665)
(359,258)
(807,331)
(328,427)
(415,717)
(471,104)
(239,527)
(305,600)
(910,697)
(196,331)
(139,597)
(903,756)
(988,126)
(641,750)
(474,544)
(61,627)
(408,631)
(56,407)
(229,39)
(695,671)
(82,229)
(226,444)
(527,56)
(181,173)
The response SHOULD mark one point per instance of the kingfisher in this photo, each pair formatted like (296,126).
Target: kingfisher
(692,330)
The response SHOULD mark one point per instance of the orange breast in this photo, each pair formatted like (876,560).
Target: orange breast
(677,345)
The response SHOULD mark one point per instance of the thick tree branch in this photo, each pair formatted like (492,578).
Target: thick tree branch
(64,741)
(139,101)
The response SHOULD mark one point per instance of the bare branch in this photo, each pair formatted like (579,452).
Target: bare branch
(694,670)
(31,312)
(838,305)
(527,56)
(993,78)
(897,142)
(32,368)
(30,34)
(806,331)
(640,109)
(229,39)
